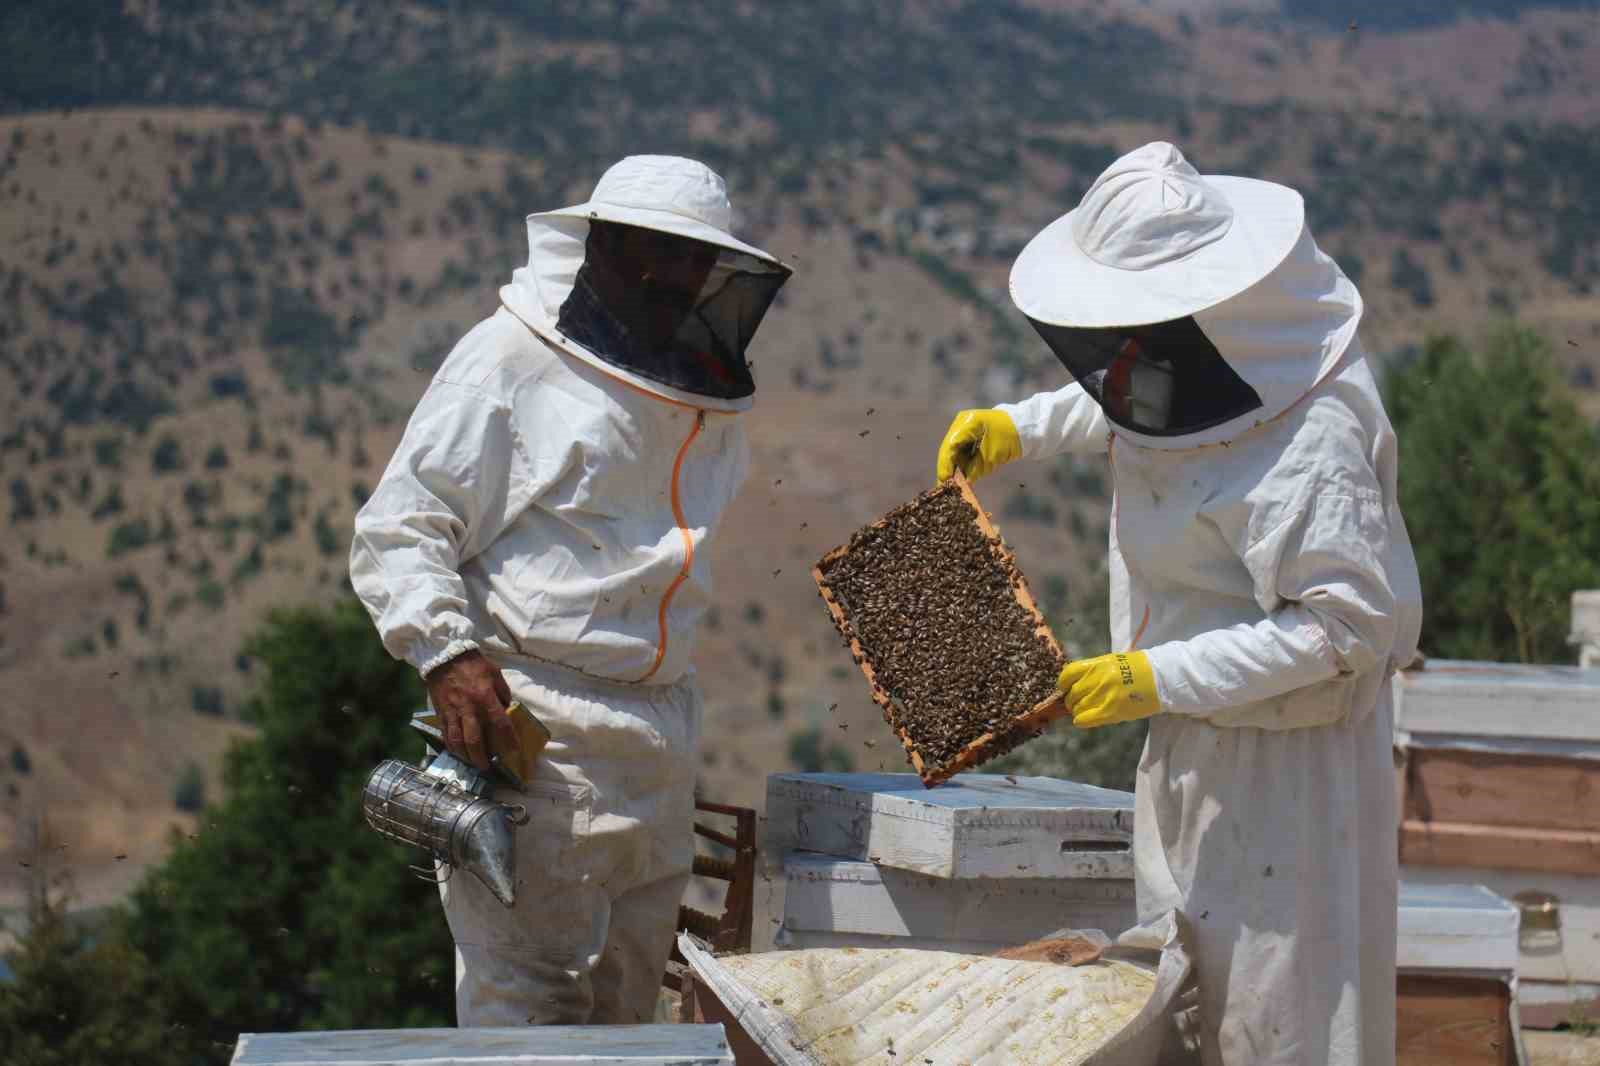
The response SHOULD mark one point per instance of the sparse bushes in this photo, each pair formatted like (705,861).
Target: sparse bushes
(328,540)
(23,506)
(809,753)
(129,536)
(206,699)
(1411,278)
(167,456)
(189,794)
(108,452)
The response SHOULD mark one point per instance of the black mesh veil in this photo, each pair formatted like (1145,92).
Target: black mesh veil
(1164,379)
(670,309)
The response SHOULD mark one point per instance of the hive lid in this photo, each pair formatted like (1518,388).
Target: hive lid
(975,825)
(1499,699)
(1456,926)
(556,1045)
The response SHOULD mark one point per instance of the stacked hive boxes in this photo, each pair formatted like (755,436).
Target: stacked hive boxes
(1499,779)
(1457,959)
(982,862)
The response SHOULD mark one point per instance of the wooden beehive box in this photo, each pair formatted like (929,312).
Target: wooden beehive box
(1457,959)
(976,827)
(1499,784)
(555,1045)
(941,622)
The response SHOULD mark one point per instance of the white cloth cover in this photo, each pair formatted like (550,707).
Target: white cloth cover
(805,1008)
(601,864)
(1266,568)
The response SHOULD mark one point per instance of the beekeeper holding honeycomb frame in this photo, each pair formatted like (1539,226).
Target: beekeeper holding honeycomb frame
(1263,588)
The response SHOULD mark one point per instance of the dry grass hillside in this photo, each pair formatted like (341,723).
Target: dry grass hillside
(214,320)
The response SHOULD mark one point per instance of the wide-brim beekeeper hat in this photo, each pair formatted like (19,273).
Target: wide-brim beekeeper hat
(666,193)
(1154,240)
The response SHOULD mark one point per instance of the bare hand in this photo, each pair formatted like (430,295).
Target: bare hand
(471,697)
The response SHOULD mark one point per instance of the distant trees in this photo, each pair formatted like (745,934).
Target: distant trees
(1411,278)
(1500,485)
(283,912)
(80,998)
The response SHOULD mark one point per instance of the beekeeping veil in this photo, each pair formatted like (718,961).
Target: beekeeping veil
(645,282)
(1191,307)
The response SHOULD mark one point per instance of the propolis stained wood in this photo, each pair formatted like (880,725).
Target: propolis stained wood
(940,620)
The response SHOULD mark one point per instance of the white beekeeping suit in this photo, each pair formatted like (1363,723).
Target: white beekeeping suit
(1260,562)
(549,507)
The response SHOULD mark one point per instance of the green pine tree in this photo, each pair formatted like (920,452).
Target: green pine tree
(80,993)
(285,911)
(1500,486)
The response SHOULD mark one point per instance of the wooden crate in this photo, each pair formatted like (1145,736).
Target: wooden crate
(556,1045)
(1506,809)
(1454,1021)
(1028,721)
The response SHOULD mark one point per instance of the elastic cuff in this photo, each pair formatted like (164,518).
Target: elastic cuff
(1026,435)
(459,646)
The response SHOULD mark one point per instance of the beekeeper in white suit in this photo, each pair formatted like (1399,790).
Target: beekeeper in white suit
(541,534)
(1263,588)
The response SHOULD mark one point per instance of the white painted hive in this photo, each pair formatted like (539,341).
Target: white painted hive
(845,903)
(1456,927)
(1483,699)
(975,825)
(1567,953)
(617,1045)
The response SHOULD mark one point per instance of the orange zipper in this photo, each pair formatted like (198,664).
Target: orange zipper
(688,545)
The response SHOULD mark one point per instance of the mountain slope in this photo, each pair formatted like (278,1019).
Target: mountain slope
(233,263)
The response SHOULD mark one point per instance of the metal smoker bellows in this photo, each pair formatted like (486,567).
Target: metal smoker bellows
(458,826)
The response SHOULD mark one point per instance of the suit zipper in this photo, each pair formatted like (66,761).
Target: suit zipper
(688,545)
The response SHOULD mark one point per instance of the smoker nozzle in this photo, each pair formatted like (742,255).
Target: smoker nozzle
(488,852)
(432,812)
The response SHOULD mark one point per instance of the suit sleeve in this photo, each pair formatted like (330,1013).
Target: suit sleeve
(459,477)
(1061,422)
(1320,578)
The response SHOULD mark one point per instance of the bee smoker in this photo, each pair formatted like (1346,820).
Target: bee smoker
(444,809)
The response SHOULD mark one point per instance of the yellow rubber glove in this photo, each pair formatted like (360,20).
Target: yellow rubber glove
(1109,688)
(976,443)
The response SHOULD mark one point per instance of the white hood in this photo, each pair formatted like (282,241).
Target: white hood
(670,195)
(537,291)
(1282,336)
